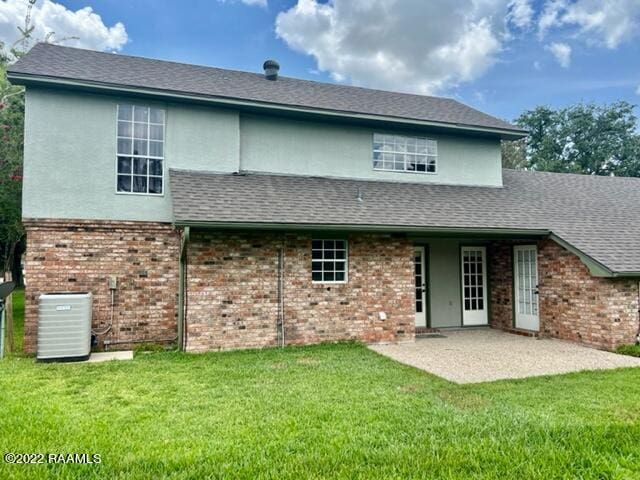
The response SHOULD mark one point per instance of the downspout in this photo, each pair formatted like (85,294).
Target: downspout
(280,339)
(638,334)
(181,289)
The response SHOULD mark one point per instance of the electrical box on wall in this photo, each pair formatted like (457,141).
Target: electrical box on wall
(113,282)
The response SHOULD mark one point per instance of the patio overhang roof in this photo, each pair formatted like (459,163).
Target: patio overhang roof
(595,268)
(413,230)
(593,217)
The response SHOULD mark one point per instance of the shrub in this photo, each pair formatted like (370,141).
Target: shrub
(633,350)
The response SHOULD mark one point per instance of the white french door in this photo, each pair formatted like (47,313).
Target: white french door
(420,265)
(525,274)
(474,286)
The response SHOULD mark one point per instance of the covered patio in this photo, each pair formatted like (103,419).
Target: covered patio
(485,354)
(412,258)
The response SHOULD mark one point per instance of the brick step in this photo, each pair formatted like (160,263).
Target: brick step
(422,330)
(519,331)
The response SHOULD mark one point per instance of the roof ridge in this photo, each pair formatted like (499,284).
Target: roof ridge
(137,57)
(48,63)
(260,75)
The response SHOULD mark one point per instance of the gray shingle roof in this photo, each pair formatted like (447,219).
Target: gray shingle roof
(66,63)
(597,215)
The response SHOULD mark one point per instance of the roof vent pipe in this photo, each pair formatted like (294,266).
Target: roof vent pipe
(271,69)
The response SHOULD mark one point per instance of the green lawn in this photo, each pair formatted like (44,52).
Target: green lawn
(18,320)
(333,411)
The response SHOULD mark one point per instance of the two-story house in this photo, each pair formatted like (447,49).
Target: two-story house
(223,209)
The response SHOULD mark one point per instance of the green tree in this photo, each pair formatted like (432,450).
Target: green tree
(583,138)
(11,153)
(514,154)
(11,148)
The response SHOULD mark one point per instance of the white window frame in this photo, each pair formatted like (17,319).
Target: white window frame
(147,157)
(381,138)
(323,260)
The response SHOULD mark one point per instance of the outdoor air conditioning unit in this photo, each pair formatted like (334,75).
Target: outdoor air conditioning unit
(64,327)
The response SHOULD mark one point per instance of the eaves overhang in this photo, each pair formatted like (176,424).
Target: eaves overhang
(361,228)
(596,268)
(266,107)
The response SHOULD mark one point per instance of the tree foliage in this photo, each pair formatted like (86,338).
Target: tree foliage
(11,150)
(583,138)
(11,143)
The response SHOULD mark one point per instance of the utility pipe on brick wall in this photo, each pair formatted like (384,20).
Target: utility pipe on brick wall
(182,317)
(125,342)
(280,320)
(280,329)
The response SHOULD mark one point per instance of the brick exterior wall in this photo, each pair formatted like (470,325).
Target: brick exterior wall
(500,270)
(77,256)
(232,291)
(232,287)
(601,312)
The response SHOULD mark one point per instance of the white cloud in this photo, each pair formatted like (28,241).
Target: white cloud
(550,16)
(562,52)
(537,65)
(520,13)
(48,16)
(408,45)
(613,21)
(608,22)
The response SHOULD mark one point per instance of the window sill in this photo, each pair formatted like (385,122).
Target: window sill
(404,171)
(138,194)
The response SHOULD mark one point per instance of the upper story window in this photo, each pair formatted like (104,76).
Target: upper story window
(140,150)
(399,153)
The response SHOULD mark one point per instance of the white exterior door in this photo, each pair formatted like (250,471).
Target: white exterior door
(420,286)
(474,286)
(525,274)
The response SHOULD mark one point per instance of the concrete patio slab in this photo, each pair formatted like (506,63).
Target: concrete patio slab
(481,355)
(107,356)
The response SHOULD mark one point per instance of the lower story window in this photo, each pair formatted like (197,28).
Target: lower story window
(329,261)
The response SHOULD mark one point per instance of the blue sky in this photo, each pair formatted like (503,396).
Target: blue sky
(501,56)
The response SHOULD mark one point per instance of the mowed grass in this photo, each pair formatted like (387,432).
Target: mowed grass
(331,411)
(18,319)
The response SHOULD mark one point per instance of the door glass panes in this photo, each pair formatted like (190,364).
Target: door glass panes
(527,276)
(473,279)
(419,276)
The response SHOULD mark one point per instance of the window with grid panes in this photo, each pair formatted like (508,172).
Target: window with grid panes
(399,153)
(329,261)
(140,147)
